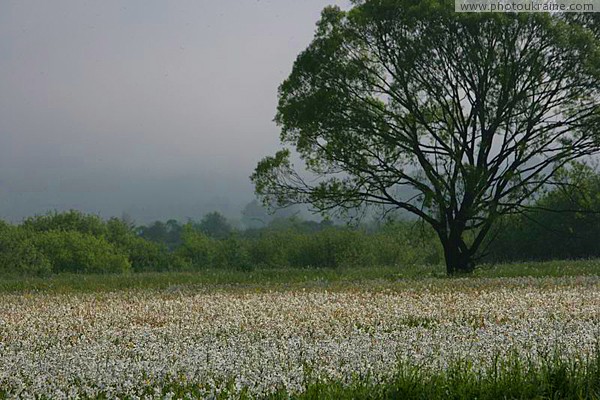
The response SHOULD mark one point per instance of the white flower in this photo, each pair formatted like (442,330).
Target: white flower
(140,344)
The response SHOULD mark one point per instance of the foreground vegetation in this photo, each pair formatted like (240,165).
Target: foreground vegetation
(353,336)
(512,379)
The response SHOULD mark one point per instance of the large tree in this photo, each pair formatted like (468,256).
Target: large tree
(474,113)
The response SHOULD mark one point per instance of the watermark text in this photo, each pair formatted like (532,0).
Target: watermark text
(527,6)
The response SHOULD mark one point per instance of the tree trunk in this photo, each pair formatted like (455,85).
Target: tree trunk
(457,260)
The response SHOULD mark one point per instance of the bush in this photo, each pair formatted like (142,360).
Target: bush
(67,221)
(404,243)
(233,253)
(18,253)
(271,249)
(147,256)
(72,251)
(396,244)
(332,248)
(197,250)
(144,255)
(75,242)
(215,225)
(563,224)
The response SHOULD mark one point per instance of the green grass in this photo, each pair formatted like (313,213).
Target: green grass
(555,380)
(259,278)
(511,378)
(284,278)
(556,268)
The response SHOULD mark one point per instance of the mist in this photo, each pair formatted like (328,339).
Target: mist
(155,109)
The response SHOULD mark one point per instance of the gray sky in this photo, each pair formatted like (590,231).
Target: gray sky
(156,108)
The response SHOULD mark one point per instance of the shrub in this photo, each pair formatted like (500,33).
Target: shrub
(72,251)
(147,256)
(215,225)
(405,243)
(332,248)
(197,250)
(67,221)
(144,255)
(18,253)
(564,223)
(271,249)
(233,253)
(75,242)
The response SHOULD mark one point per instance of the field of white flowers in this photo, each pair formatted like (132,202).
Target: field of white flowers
(133,343)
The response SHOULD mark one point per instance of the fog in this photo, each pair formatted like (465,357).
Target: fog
(152,108)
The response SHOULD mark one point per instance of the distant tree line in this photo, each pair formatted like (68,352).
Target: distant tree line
(563,223)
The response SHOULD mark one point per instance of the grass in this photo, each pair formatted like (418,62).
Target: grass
(259,278)
(284,278)
(511,378)
(556,268)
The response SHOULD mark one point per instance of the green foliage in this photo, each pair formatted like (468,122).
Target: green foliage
(197,250)
(73,251)
(75,242)
(563,224)
(306,244)
(78,243)
(404,243)
(338,247)
(72,220)
(215,225)
(168,233)
(333,248)
(270,249)
(457,109)
(233,253)
(508,379)
(19,254)
(144,255)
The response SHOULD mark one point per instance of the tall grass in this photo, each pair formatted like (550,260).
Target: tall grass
(507,378)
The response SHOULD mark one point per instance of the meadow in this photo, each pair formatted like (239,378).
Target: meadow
(398,242)
(512,331)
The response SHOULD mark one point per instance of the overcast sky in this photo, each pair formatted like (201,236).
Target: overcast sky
(160,109)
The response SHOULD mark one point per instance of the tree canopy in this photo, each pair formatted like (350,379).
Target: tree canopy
(473,113)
